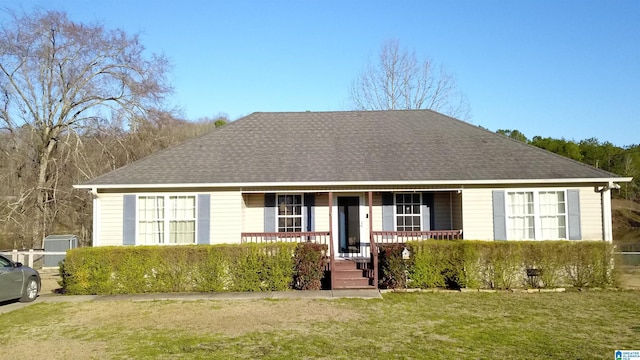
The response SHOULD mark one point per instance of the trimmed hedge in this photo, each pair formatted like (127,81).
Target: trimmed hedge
(309,266)
(392,269)
(197,268)
(498,264)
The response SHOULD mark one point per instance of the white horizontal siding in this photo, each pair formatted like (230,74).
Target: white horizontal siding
(321,212)
(110,218)
(253,213)
(477,214)
(226,217)
(591,214)
(377,212)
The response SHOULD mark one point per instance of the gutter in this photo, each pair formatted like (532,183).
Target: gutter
(455,183)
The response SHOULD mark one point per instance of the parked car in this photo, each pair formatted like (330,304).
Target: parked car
(18,281)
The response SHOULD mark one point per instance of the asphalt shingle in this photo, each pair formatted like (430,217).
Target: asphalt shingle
(302,147)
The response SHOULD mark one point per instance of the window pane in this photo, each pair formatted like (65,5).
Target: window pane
(182,232)
(182,207)
(561,221)
(399,209)
(408,221)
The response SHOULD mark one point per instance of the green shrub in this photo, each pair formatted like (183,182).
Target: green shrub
(547,259)
(392,269)
(498,264)
(503,264)
(436,263)
(141,269)
(591,265)
(428,264)
(309,266)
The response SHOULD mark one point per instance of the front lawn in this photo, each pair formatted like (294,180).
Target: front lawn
(572,325)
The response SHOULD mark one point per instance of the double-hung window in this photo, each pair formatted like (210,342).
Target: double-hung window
(536,215)
(408,213)
(289,213)
(166,219)
(553,215)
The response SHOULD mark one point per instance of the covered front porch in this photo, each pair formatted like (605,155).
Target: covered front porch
(353,224)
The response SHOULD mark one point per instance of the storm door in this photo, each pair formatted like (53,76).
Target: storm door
(349,224)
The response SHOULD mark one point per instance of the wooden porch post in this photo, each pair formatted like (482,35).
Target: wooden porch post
(331,251)
(373,246)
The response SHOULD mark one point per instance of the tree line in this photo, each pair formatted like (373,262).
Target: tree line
(624,161)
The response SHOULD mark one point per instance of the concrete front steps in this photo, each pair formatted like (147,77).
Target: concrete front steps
(346,275)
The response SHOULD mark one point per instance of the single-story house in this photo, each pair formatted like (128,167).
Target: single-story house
(350,180)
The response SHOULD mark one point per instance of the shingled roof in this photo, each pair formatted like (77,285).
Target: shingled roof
(354,146)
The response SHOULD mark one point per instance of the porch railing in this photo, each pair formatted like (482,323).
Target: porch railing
(318,237)
(385,237)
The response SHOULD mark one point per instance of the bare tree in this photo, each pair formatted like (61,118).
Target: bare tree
(59,77)
(398,80)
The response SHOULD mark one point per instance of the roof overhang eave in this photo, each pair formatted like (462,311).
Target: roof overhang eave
(358,183)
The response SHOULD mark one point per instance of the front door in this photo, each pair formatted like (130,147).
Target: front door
(349,224)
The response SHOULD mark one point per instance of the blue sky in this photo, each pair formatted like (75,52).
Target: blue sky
(547,67)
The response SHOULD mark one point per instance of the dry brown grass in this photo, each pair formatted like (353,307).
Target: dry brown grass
(57,347)
(229,318)
(577,325)
(198,318)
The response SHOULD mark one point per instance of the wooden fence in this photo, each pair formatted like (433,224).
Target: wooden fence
(32,256)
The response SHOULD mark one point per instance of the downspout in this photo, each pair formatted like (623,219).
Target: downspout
(605,194)
(95,231)
(607,231)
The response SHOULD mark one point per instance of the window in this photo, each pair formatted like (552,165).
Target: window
(289,213)
(521,216)
(408,212)
(553,215)
(166,219)
(537,215)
